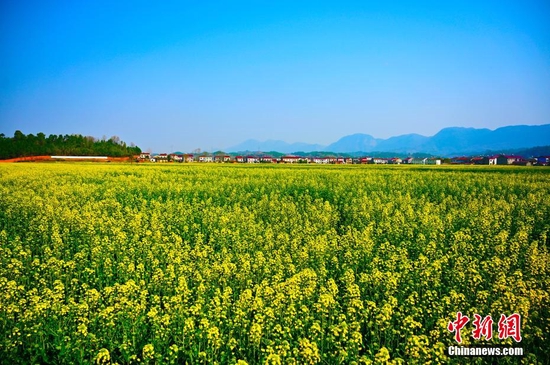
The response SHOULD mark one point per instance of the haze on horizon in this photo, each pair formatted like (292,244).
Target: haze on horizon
(187,75)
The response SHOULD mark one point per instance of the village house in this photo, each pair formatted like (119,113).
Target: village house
(268,159)
(188,157)
(145,156)
(462,160)
(321,160)
(206,158)
(290,159)
(418,161)
(222,158)
(176,158)
(395,161)
(433,161)
(380,161)
(508,159)
(525,162)
(162,157)
(480,160)
(252,159)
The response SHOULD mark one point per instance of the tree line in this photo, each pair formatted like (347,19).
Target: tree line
(21,145)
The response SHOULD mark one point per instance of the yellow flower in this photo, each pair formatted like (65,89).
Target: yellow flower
(103,357)
(148,352)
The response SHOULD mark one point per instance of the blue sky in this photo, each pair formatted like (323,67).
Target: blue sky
(206,74)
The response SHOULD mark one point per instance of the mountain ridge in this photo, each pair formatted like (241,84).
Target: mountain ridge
(448,141)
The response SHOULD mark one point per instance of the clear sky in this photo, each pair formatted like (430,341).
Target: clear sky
(210,74)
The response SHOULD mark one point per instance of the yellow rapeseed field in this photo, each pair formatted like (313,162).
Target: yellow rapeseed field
(233,264)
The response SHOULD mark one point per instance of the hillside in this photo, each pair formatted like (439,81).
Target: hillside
(21,145)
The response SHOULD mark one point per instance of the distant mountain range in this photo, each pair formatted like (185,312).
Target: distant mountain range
(447,142)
